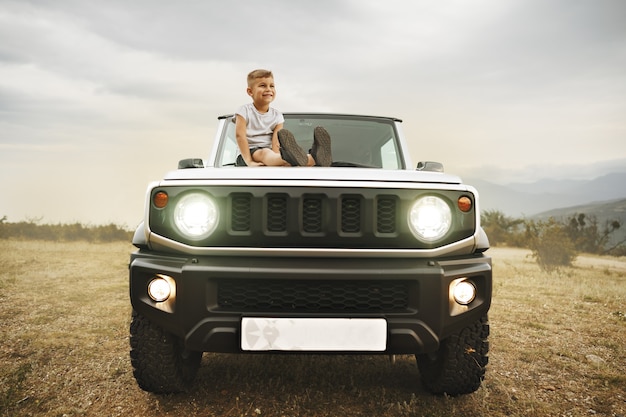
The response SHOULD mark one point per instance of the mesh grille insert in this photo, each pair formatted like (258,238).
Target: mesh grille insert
(240,212)
(351,215)
(277,213)
(313,296)
(312,214)
(386,215)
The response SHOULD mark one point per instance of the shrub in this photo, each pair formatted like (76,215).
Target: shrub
(591,237)
(32,230)
(550,244)
(501,229)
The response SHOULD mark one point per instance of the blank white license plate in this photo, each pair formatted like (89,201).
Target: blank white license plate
(334,334)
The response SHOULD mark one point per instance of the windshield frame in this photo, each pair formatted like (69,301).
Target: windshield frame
(362,144)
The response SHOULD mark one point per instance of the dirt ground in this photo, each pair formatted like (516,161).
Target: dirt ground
(558,343)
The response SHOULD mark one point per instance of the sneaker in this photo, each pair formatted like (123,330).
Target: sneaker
(290,151)
(321,151)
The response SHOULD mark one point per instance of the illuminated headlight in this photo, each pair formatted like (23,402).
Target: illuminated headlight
(430,218)
(159,289)
(196,216)
(464,292)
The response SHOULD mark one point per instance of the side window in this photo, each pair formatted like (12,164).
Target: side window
(388,155)
(229,146)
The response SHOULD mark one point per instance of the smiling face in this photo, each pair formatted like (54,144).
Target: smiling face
(262,92)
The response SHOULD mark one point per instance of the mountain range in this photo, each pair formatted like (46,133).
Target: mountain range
(531,199)
(603,198)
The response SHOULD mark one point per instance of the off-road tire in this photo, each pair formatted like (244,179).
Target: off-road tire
(458,367)
(160,362)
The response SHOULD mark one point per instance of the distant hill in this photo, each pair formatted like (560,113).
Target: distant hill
(527,200)
(603,212)
(607,210)
(603,198)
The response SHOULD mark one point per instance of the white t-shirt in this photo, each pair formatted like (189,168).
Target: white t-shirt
(260,126)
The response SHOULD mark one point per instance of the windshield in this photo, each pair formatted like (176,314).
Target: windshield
(356,141)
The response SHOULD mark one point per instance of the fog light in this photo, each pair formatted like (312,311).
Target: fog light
(464,292)
(159,289)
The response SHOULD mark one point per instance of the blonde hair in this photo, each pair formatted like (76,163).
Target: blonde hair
(258,73)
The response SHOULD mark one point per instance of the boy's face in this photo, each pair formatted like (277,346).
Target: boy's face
(262,91)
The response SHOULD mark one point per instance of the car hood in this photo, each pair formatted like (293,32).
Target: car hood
(312,174)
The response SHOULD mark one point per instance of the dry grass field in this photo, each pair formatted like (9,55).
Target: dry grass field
(558,347)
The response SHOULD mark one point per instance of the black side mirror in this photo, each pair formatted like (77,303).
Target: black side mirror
(190,163)
(429,166)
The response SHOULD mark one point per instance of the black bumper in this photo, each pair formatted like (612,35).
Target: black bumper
(212,294)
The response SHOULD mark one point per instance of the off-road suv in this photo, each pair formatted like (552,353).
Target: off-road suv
(368,256)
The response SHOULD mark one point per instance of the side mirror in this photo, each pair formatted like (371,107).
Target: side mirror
(429,166)
(190,163)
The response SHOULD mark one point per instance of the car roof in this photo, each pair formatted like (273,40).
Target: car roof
(327,115)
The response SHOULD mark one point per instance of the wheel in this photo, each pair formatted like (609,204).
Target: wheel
(458,367)
(160,362)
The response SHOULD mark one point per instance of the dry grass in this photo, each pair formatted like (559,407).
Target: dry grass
(558,348)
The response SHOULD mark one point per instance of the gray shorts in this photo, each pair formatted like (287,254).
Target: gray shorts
(240,162)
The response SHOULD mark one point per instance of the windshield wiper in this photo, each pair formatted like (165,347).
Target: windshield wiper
(350,165)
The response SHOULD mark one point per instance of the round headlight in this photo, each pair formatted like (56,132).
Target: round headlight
(430,218)
(196,216)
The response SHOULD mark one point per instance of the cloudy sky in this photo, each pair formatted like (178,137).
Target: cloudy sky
(98,98)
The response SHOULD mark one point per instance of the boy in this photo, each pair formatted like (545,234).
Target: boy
(260,134)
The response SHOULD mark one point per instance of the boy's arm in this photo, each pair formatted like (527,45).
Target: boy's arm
(242,141)
(275,144)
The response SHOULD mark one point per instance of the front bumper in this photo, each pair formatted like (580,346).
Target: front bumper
(213,294)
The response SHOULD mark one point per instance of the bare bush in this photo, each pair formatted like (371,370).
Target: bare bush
(501,229)
(32,229)
(590,236)
(550,244)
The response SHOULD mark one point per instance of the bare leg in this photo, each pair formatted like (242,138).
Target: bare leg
(269,157)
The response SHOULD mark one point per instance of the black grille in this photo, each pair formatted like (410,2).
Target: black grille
(313,296)
(313,214)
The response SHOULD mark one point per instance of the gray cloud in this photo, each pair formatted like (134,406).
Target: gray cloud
(131,87)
